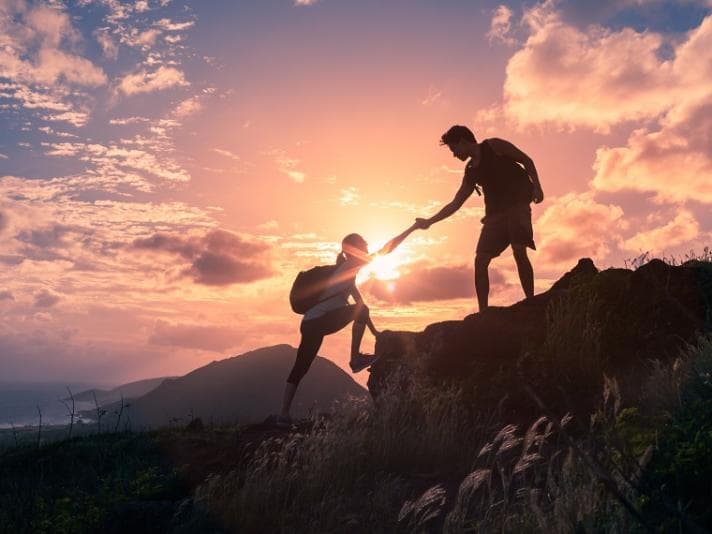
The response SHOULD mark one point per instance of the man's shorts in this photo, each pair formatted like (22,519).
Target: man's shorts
(512,227)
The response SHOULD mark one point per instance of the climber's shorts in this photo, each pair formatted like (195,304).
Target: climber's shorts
(512,227)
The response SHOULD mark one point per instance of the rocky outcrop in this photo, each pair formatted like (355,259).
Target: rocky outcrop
(559,343)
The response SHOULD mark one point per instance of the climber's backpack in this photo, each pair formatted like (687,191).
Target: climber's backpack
(308,287)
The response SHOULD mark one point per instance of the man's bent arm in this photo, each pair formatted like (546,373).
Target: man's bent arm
(505,148)
(455,204)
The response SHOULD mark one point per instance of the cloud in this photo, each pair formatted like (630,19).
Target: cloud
(128,120)
(93,235)
(50,243)
(51,24)
(227,154)
(268,225)
(110,161)
(55,64)
(141,39)
(424,282)
(682,229)
(299,3)
(594,78)
(434,95)
(168,25)
(349,197)
(108,47)
(217,258)
(500,26)
(287,165)
(11,259)
(194,336)
(31,48)
(50,131)
(576,226)
(216,269)
(39,63)
(6,295)
(46,238)
(188,107)
(673,161)
(75,118)
(148,82)
(46,299)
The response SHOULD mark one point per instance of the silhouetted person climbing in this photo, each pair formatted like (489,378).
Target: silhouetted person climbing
(331,312)
(509,181)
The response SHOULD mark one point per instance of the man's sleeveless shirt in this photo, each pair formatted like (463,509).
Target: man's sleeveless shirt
(504,182)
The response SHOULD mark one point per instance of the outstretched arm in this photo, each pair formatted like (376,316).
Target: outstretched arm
(505,148)
(393,243)
(466,189)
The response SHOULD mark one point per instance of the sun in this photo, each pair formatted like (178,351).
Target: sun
(384,267)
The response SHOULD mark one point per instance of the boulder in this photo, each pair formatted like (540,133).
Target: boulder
(560,343)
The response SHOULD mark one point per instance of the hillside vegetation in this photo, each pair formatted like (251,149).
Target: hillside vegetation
(578,440)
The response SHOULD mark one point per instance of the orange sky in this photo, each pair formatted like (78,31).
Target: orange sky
(166,168)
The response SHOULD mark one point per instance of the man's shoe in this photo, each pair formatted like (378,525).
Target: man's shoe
(361,361)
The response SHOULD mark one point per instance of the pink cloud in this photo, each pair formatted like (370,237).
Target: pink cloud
(188,107)
(425,282)
(46,299)
(500,26)
(598,77)
(169,25)
(32,54)
(673,161)
(574,226)
(217,258)
(148,82)
(51,24)
(108,46)
(682,229)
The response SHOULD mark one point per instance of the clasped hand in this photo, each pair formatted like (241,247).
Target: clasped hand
(422,224)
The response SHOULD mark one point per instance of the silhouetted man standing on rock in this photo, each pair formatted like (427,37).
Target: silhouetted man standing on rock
(509,181)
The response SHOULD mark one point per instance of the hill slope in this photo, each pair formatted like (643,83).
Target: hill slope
(563,342)
(243,388)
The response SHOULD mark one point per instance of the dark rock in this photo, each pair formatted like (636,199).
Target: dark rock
(561,342)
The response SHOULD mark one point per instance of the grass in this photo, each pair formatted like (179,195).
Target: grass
(357,464)
(82,484)
(422,458)
(408,464)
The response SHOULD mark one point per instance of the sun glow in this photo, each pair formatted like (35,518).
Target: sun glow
(384,267)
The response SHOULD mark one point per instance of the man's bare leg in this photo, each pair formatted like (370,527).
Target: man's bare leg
(524,267)
(482,262)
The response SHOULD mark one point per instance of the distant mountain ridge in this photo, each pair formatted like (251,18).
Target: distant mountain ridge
(245,388)
(131,390)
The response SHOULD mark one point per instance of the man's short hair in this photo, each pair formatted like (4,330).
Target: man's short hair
(455,134)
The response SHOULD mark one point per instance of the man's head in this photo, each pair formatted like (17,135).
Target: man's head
(461,141)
